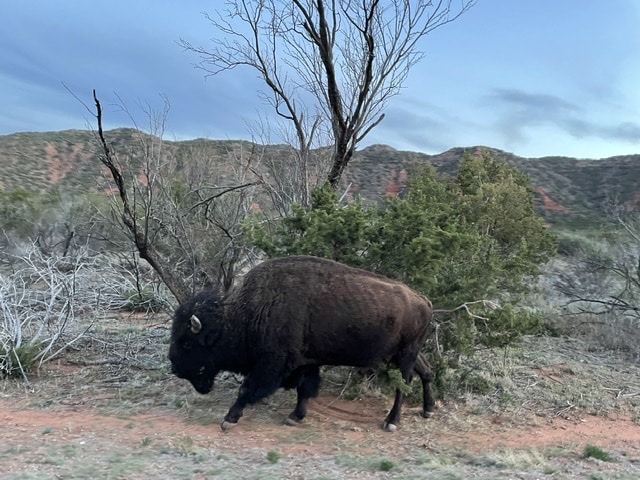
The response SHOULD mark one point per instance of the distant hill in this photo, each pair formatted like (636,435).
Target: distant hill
(569,191)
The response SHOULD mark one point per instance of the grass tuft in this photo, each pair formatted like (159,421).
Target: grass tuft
(18,361)
(273,456)
(386,465)
(591,451)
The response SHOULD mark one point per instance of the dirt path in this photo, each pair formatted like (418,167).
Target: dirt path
(481,435)
(59,441)
(112,410)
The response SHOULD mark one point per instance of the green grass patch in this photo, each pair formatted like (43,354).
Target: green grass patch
(591,451)
(367,463)
(18,360)
(273,456)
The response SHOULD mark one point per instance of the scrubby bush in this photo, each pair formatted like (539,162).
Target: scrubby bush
(600,288)
(48,302)
(57,223)
(473,237)
(17,361)
(145,299)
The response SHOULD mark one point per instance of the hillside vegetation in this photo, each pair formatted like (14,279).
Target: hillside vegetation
(542,386)
(569,192)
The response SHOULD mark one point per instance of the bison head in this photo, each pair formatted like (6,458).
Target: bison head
(196,329)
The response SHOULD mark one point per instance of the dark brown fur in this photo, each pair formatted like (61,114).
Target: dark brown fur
(292,315)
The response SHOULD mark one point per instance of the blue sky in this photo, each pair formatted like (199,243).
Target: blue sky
(532,77)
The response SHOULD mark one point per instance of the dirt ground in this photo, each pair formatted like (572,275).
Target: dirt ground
(117,415)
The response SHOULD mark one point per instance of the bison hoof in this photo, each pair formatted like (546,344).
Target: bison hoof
(389,427)
(426,414)
(292,421)
(226,426)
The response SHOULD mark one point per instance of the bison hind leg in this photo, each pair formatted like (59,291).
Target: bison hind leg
(308,387)
(423,370)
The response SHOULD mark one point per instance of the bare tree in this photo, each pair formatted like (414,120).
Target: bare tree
(67,225)
(602,285)
(608,277)
(288,174)
(180,216)
(328,66)
(58,222)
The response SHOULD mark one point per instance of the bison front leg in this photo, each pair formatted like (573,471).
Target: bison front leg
(393,418)
(406,365)
(258,384)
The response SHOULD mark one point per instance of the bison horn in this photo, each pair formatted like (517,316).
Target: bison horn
(196,325)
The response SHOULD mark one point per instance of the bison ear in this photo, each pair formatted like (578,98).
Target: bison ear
(195,324)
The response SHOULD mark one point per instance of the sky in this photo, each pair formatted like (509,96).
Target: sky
(531,77)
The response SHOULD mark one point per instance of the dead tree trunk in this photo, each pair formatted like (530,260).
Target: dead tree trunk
(163,268)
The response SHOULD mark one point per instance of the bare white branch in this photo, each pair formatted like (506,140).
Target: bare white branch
(330,62)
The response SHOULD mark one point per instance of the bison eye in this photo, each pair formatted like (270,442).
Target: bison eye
(186,344)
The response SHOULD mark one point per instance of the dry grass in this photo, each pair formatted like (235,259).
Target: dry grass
(552,377)
(119,374)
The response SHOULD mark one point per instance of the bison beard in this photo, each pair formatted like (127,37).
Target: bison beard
(291,315)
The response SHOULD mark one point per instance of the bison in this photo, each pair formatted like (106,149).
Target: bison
(289,317)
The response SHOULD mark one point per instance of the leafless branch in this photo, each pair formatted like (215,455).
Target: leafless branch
(141,240)
(40,301)
(209,199)
(491,305)
(350,57)
(606,282)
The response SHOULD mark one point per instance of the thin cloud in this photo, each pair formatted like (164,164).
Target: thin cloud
(406,129)
(522,111)
(570,72)
(627,131)
(533,102)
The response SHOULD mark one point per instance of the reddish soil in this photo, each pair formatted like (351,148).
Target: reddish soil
(140,423)
(549,203)
(351,419)
(484,435)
